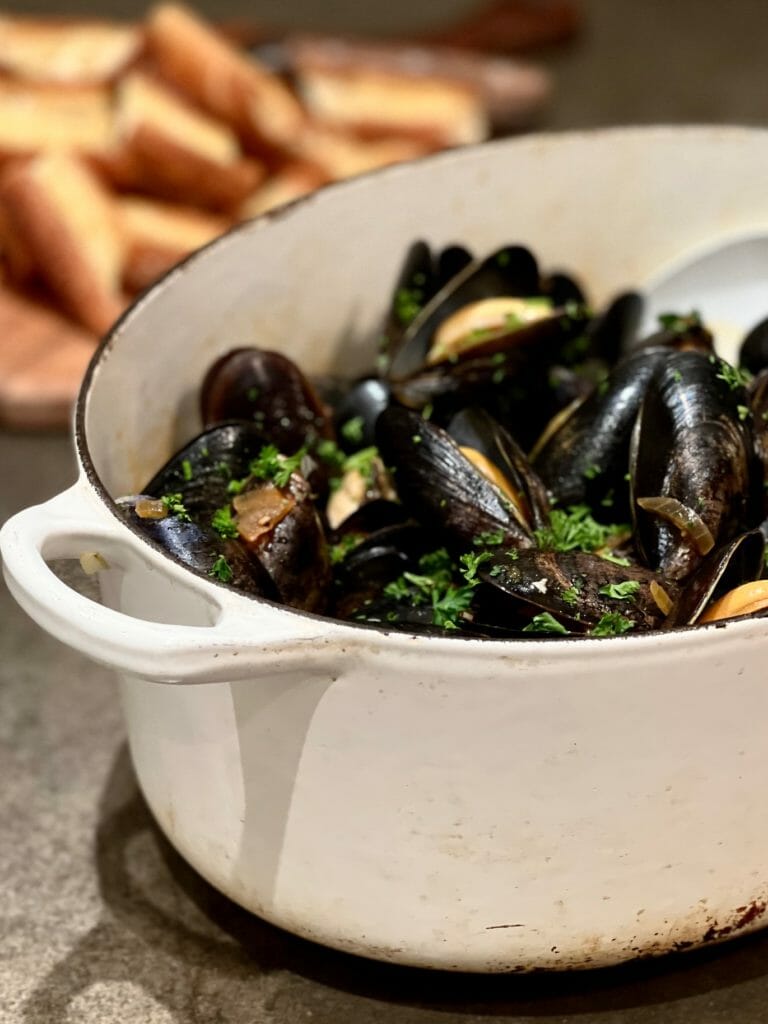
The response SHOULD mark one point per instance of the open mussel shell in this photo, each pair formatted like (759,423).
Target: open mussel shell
(683,333)
(439,485)
(451,261)
(690,445)
(477,430)
(200,548)
(583,456)
(269,391)
(562,289)
(415,285)
(201,470)
(511,271)
(567,584)
(740,561)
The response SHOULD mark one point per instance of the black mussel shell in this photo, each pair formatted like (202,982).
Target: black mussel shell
(753,354)
(370,517)
(684,333)
(475,428)
(439,485)
(294,553)
(690,444)
(740,561)
(451,261)
(200,548)
(583,456)
(613,331)
(268,390)
(415,285)
(202,470)
(361,405)
(562,289)
(758,405)
(567,584)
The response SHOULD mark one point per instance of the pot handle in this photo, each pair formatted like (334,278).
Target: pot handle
(262,639)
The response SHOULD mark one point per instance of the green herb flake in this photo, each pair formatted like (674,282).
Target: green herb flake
(497,570)
(338,552)
(489,538)
(498,376)
(626,591)
(571,595)
(678,323)
(223,523)
(426,412)
(471,562)
(416,438)
(743,411)
(364,462)
(575,529)
(612,624)
(271,465)
(591,472)
(222,570)
(186,469)
(677,377)
(407,305)
(352,430)
(545,623)
(174,506)
(616,559)
(252,394)
(512,554)
(735,377)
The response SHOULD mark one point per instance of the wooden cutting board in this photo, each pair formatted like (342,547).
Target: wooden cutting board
(43,357)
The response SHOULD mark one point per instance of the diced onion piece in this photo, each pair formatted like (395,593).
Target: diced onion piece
(744,600)
(661,598)
(476,322)
(492,473)
(92,562)
(260,510)
(684,518)
(151,508)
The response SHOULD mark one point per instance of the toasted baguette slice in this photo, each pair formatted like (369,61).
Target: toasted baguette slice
(69,53)
(289,183)
(158,235)
(224,81)
(44,358)
(373,102)
(33,119)
(68,223)
(338,154)
(165,146)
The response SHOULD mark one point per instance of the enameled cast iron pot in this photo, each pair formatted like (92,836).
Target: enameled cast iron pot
(451,803)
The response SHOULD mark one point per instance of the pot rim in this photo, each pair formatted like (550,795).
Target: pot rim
(543,644)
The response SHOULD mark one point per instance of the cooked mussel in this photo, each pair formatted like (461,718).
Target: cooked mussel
(442,487)
(269,391)
(690,464)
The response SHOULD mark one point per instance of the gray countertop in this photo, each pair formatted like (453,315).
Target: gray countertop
(100,920)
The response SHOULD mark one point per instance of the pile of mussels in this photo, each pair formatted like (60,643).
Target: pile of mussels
(517,465)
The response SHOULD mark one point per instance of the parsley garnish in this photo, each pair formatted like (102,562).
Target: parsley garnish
(489,538)
(591,472)
(338,552)
(612,624)
(571,595)
(252,394)
(471,563)
(743,411)
(352,430)
(435,585)
(544,623)
(625,591)
(575,529)
(271,465)
(678,323)
(174,506)
(735,377)
(223,523)
(330,453)
(186,469)
(407,305)
(364,462)
(222,570)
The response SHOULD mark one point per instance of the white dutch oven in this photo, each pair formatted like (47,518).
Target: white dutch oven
(451,803)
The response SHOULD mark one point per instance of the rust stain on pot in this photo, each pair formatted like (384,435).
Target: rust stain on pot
(743,916)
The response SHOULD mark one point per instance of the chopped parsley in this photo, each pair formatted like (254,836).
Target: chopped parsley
(338,552)
(612,624)
(735,377)
(222,570)
(174,506)
(575,529)
(407,305)
(435,584)
(545,623)
(571,595)
(625,591)
(252,394)
(186,469)
(352,430)
(330,453)
(364,462)
(743,411)
(678,323)
(269,464)
(591,472)
(489,538)
(223,523)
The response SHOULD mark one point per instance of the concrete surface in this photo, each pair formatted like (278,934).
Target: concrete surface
(100,921)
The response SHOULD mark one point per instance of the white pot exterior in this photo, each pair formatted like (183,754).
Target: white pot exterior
(450,803)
